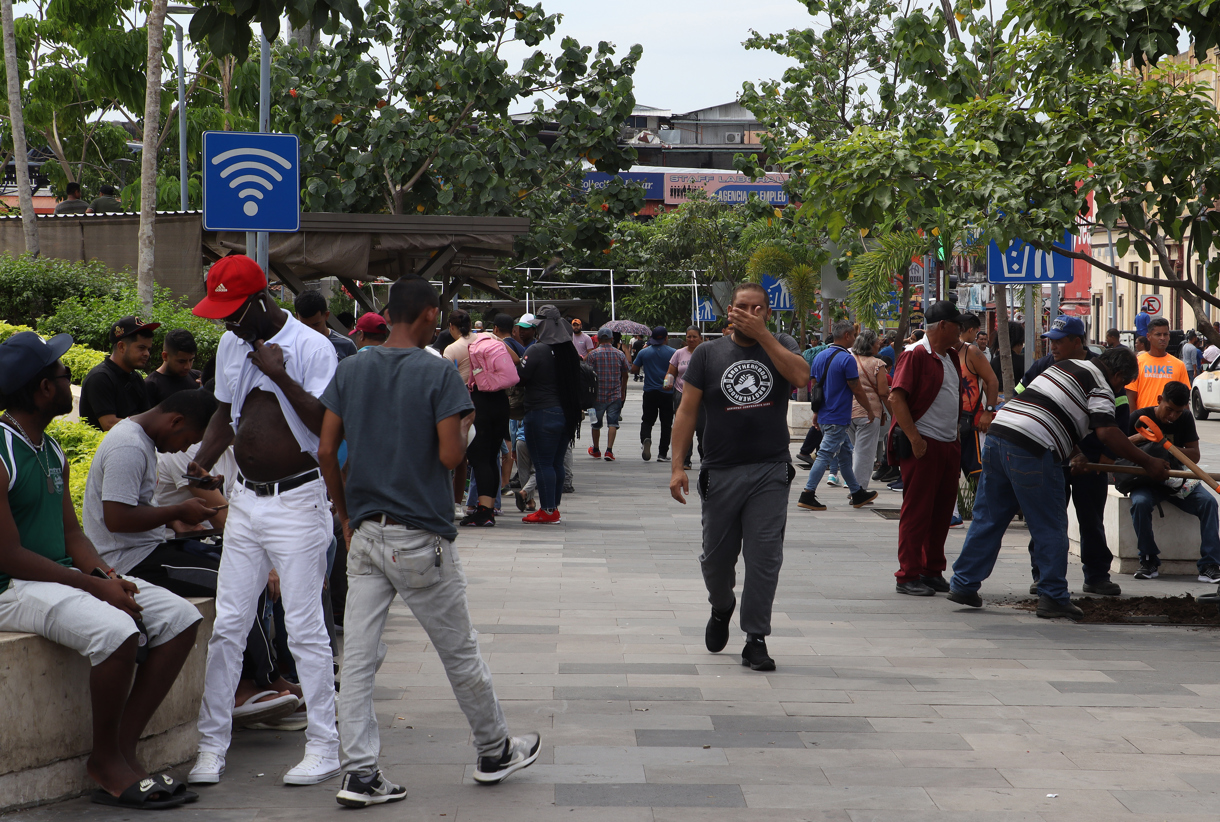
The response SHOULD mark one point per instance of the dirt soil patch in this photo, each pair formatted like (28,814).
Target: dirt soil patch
(1183,610)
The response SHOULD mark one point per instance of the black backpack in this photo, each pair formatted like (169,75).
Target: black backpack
(817,394)
(1126,483)
(588,385)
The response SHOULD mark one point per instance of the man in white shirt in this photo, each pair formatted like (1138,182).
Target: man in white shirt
(270,371)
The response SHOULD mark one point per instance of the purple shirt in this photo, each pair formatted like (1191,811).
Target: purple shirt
(680,360)
(584,343)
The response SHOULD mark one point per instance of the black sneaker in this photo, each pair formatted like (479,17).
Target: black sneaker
(805,459)
(1210,574)
(716,635)
(483,517)
(519,752)
(936,583)
(755,655)
(879,474)
(662,458)
(1107,588)
(862,498)
(569,489)
(362,791)
(647,452)
(914,589)
(519,498)
(809,501)
(1148,570)
(896,485)
(1052,608)
(965,598)
(1033,588)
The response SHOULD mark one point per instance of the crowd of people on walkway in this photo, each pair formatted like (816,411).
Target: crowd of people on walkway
(275,480)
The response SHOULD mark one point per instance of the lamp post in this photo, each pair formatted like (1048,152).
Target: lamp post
(183,190)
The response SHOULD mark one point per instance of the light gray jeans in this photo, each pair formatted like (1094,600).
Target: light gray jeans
(424,569)
(864,436)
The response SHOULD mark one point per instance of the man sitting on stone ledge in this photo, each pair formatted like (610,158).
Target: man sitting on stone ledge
(54,584)
(1173,417)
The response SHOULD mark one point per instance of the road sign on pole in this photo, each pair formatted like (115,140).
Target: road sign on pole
(778,294)
(706,312)
(251,181)
(1022,263)
(1152,304)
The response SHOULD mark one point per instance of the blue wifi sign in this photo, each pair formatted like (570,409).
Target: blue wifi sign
(251,181)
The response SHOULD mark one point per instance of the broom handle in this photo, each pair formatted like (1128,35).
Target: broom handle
(1135,469)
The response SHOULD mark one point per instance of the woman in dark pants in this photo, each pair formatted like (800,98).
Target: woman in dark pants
(550,374)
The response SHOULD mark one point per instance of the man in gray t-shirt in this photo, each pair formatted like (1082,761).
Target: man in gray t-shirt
(119,516)
(395,506)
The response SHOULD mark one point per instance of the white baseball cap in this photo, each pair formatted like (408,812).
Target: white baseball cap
(527,321)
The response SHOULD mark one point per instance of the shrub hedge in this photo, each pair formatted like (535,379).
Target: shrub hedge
(31,287)
(89,319)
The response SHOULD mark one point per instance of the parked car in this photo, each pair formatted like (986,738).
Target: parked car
(1205,391)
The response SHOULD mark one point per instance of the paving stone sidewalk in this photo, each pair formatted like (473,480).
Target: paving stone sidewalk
(883,707)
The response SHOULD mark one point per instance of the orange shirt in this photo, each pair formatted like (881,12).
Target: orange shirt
(1155,372)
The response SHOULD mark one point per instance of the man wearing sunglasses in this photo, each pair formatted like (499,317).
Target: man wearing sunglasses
(270,371)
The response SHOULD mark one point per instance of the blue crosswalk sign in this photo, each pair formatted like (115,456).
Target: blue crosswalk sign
(1022,263)
(706,312)
(251,181)
(777,294)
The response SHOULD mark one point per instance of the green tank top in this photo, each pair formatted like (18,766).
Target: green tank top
(35,499)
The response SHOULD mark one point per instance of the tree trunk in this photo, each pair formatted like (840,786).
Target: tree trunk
(305,37)
(1007,383)
(25,195)
(148,155)
(904,312)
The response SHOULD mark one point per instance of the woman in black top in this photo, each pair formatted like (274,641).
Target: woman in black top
(550,374)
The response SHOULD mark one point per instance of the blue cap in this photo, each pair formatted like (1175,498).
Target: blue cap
(1065,326)
(25,354)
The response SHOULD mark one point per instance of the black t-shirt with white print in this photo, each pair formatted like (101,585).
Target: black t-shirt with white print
(746,402)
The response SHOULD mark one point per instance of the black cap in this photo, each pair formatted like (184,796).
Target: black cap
(942,311)
(128,326)
(25,354)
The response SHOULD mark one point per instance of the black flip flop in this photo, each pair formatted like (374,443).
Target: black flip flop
(177,788)
(136,797)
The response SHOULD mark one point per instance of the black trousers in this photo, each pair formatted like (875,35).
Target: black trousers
(193,574)
(658,404)
(1088,492)
(490,431)
(812,440)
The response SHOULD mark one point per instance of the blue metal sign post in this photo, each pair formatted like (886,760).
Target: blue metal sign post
(251,182)
(1022,263)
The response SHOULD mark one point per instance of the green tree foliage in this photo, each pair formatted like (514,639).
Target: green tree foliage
(428,130)
(31,287)
(227,27)
(89,320)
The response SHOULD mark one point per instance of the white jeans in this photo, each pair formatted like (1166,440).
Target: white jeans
(289,532)
(864,436)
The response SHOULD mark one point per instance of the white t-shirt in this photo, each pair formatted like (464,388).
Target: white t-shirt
(309,359)
(123,470)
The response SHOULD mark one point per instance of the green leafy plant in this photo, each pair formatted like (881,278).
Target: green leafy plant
(89,320)
(31,287)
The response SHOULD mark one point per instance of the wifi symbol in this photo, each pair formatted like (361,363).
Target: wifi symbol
(250,178)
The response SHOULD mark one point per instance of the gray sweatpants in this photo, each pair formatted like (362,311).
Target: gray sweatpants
(745,510)
(425,571)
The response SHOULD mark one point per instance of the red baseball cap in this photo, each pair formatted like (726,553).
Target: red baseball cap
(370,323)
(230,281)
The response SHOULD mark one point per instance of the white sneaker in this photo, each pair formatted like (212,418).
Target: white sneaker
(209,767)
(459,510)
(519,752)
(312,770)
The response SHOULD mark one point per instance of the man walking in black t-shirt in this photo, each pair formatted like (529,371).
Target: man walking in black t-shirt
(743,382)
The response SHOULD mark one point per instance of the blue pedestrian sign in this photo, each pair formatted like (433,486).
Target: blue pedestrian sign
(251,181)
(1022,263)
(778,294)
(705,312)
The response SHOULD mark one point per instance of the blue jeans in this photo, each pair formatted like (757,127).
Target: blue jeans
(1014,479)
(1199,503)
(834,450)
(611,410)
(544,433)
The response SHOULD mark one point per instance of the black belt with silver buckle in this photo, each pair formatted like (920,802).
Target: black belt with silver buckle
(270,489)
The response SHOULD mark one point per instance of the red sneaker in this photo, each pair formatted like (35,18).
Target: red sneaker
(609,456)
(594,453)
(552,517)
(538,516)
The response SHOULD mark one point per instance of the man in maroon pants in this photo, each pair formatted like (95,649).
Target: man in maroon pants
(923,437)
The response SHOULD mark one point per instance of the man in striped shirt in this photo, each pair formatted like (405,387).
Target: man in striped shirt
(1028,443)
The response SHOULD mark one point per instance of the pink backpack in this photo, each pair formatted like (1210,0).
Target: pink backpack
(491,367)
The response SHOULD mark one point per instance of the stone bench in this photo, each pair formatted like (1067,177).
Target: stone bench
(1177,537)
(45,717)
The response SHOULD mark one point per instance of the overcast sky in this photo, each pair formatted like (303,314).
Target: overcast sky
(693,55)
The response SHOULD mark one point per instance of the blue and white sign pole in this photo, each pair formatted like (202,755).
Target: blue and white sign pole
(778,295)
